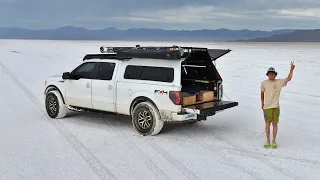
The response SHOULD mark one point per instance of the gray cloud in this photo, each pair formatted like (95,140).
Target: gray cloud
(178,14)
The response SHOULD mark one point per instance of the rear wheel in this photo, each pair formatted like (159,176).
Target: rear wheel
(146,119)
(54,105)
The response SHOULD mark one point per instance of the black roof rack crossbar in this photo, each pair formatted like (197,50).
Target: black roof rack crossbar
(103,56)
(153,52)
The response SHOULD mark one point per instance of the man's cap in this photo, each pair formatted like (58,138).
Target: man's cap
(272,69)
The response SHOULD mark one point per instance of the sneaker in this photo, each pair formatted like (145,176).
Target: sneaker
(266,145)
(274,145)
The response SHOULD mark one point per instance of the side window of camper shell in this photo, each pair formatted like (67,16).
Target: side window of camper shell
(149,73)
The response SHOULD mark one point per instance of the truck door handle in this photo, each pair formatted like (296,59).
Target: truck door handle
(110,87)
(88,85)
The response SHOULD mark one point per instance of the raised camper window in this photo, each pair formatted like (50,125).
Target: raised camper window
(149,73)
(198,72)
(199,66)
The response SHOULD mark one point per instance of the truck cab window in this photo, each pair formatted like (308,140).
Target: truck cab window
(105,71)
(85,71)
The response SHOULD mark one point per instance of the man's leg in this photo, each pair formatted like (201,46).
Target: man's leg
(275,131)
(267,118)
(276,114)
(268,132)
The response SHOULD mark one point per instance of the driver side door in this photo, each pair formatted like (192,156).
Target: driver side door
(78,88)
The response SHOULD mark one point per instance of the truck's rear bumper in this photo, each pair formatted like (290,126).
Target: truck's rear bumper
(183,117)
(200,111)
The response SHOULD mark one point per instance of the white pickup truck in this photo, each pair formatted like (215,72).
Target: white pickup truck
(151,84)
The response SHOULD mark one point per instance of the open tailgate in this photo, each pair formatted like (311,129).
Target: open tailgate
(210,108)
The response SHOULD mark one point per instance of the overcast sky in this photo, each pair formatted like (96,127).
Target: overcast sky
(164,14)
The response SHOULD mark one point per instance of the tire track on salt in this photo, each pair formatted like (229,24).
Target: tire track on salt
(248,172)
(102,171)
(151,165)
(182,168)
(244,152)
(94,163)
(239,149)
(166,155)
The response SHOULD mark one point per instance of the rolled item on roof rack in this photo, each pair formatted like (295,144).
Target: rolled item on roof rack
(170,53)
(152,54)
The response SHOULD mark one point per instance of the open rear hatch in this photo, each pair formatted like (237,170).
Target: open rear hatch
(217,53)
(201,82)
(209,108)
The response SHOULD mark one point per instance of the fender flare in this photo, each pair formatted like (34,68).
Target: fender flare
(52,88)
(140,99)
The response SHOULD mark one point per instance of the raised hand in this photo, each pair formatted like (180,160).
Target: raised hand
(292,65)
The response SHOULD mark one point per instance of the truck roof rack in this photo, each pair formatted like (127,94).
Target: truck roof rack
(152,52)
(103,56)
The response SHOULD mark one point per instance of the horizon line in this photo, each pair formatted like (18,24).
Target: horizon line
(140,28)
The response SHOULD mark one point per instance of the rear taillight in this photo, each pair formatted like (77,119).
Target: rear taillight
(214,86)
(175,97)
(220,92)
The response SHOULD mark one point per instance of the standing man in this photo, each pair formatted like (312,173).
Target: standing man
(270,94)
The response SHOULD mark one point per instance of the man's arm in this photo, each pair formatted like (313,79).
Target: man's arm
(262,99)
(291,73)
(262,95)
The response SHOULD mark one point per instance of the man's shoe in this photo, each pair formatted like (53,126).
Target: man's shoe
(266,145)
(274,145)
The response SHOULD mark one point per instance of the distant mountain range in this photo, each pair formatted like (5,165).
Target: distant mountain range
(79,33)
(295,36)
(245,35)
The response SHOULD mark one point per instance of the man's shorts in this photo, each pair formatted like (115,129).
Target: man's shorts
(271,115)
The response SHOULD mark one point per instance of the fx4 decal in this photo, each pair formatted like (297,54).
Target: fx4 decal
(161,92)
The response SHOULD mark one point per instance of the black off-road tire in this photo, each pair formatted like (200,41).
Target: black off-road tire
(54,105)
(146,119)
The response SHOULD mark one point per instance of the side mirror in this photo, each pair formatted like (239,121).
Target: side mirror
(66,75)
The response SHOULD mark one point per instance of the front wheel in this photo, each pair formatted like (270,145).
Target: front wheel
(146,119)
(54,105)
